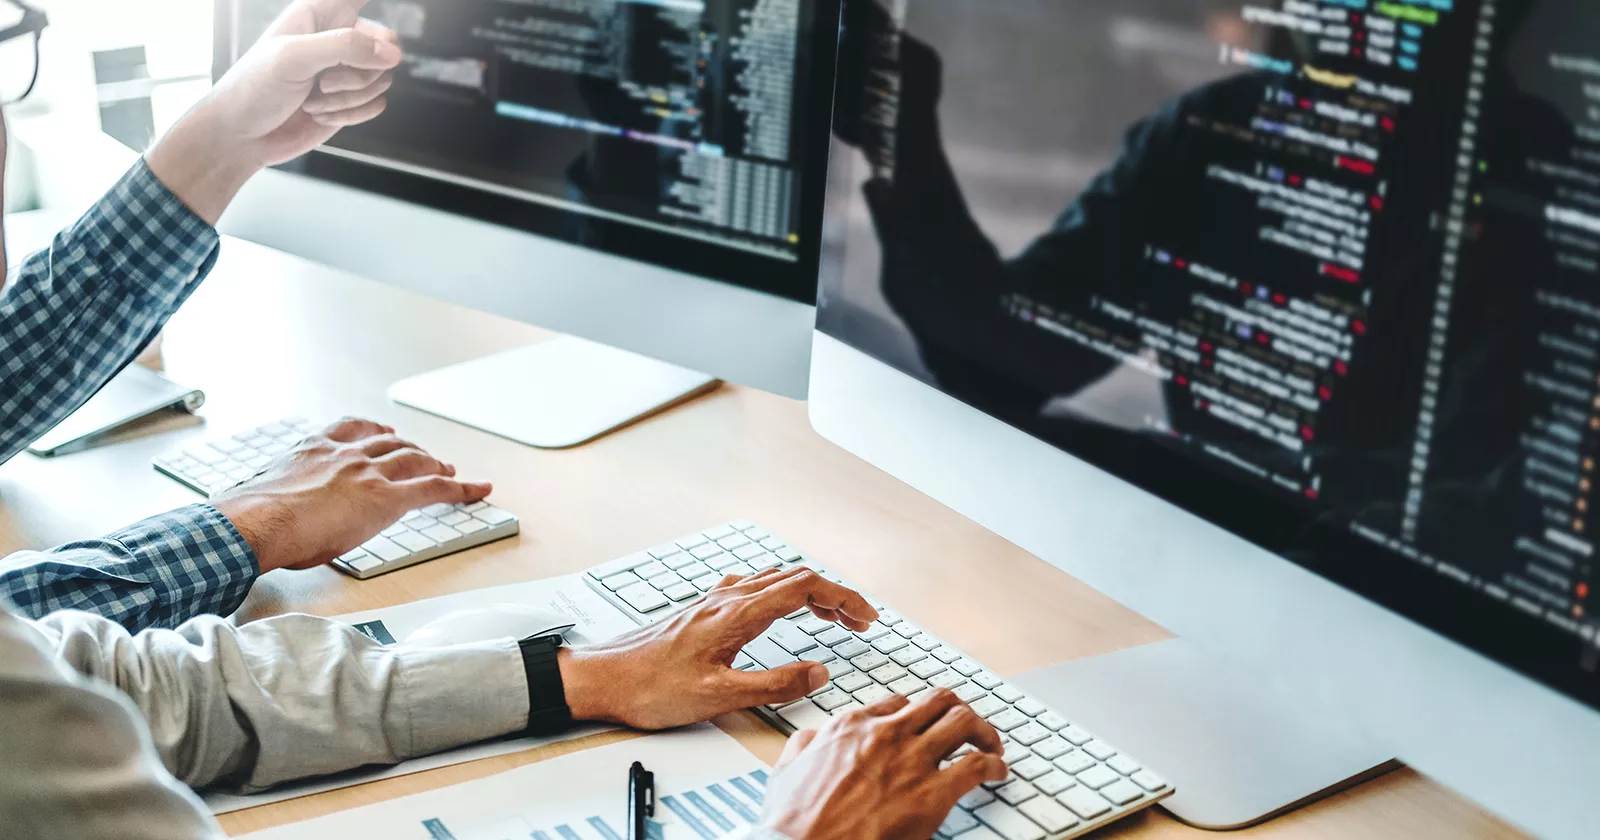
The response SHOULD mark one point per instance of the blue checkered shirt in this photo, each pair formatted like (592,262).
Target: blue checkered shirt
(71,318)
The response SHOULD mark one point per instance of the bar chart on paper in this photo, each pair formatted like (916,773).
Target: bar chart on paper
(707,787)
(717,810)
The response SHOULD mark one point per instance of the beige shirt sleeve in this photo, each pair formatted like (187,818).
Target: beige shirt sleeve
(98,721)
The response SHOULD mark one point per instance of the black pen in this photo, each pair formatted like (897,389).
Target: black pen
(641,800)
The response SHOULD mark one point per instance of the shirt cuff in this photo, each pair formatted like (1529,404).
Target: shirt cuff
(146,239)
(460,694)
(200,563)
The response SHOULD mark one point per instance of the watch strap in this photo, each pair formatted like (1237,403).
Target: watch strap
(547,695)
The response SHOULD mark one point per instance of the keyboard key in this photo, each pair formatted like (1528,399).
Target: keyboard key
(1015,752)
(474,507)
(651,569)
(733,541)
(1053,722)
(364,563)
(947,655)
(718,532)
(1007,720)
(966,692)
(791,638)
(769,543)
(846,708)
(1017,792)
(889,618)
(413,541)
(805,715)
(906,630)
(1049,814)
(695,571)
(739,569)
(454,517)
(872,694)
(678,560)
(692,542)
(704,550)
(1098,776)
(853,681)
(1030,733)
(494,516)
(978,798)
(926,642)
(986,679)
(887,673)
(989,705)
(927,668)
(767,652)
(1074,762)
(1122,792)
(1100,749)
(392,530)
(438,510)
(1054,782)
(1123,764)
(852,649)
(834,635)
(618,566)
(1010,777)
(1077,736)
(831,699)
(1008,823)
(866,661)
(908,656)
(1032,767)
(472,526)
(839,668)
(707,583)
(788,554)
(622,581)
(681,591)
(721,561)
(385,549)
(1052,748)
(763,562)
(1006,692)
(1084,802)
(951,679)
(643,597)
(748,551)
(815,626)
(1030,707)
(442,533)
(957,822)
(907,685)
(1149,781)
(874,632)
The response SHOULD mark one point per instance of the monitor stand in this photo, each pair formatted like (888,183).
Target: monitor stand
(1237,751)
(558,394)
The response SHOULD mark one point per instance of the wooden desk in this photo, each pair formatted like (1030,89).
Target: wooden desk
(271,336)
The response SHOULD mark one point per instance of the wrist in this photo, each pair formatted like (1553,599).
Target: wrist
(584,679)
(201,164)
(257,522)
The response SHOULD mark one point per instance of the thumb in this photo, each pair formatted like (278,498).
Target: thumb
(304,56)
(779,685)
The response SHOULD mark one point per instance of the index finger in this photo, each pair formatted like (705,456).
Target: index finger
(775,596)
(352,429)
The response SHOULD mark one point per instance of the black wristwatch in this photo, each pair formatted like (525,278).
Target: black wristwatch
(547,697)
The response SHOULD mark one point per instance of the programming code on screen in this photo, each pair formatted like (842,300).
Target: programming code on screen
(1347,250)
(678,115)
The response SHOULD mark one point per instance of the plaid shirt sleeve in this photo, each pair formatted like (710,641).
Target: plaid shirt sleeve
(158,573)
(75,315)
(71,318)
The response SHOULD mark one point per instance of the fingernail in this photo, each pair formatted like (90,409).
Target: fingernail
(386,51)
(819,676)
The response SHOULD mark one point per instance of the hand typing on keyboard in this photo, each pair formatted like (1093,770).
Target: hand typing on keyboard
(680,670)
(334,491)
(882,771)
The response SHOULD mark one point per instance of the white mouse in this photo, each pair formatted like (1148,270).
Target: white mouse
(501,621)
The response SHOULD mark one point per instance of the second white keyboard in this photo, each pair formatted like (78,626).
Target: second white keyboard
(1064,781)
(422,535)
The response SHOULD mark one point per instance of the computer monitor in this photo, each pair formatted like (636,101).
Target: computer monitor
(1192,298)
(645,173)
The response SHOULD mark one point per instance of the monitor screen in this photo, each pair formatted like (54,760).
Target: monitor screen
(1324,272)
(688,133)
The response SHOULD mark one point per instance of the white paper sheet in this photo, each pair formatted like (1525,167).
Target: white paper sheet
(707,786)
(597,621)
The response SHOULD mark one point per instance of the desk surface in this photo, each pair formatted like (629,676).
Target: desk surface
(271,336)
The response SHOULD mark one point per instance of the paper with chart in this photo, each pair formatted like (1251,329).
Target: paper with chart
(707,787)
(597,621)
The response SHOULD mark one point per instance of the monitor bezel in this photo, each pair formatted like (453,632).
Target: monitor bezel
(792,280)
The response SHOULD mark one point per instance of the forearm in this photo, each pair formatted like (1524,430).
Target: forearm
(157,573)
(295,696)
(74,315)
(193,161)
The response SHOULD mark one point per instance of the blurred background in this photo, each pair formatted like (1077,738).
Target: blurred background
(125,69)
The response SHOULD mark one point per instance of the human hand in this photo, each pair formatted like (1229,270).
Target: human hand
(336,490)
(680,671)
(875,774)
(318,69)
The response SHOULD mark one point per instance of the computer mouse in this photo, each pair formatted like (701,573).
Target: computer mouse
(501,621)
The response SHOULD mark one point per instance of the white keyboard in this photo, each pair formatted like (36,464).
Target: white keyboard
(422,535)
(1064,781)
